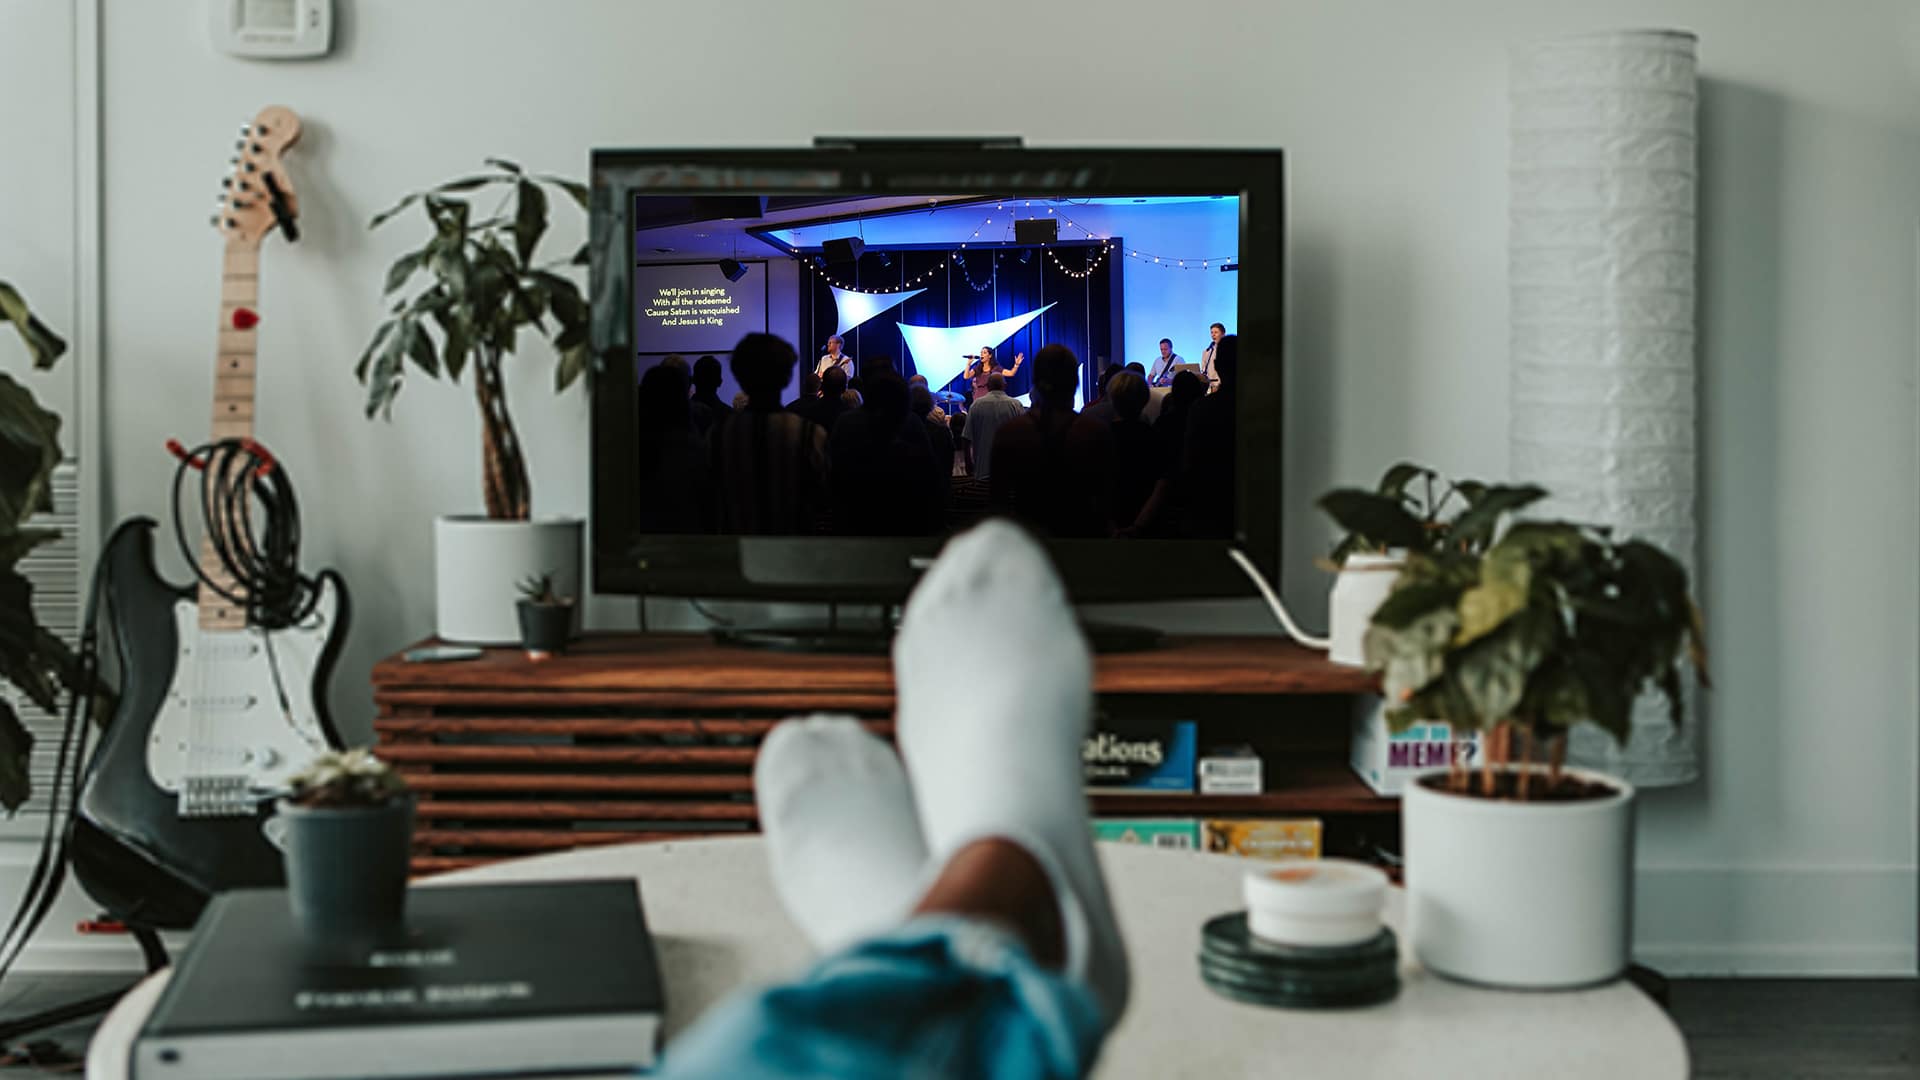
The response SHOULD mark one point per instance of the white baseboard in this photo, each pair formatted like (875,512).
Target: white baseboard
(1778,920)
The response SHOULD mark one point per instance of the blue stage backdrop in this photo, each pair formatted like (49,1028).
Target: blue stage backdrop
(985,285)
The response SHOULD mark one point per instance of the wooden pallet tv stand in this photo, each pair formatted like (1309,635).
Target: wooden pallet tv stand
(652,736)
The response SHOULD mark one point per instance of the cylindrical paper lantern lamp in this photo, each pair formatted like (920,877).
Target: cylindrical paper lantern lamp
(1601,267)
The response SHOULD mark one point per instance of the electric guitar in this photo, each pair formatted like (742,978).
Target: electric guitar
(215,714)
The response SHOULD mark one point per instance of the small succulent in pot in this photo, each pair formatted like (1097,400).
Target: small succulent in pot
(546,618)
(349,827)
(347,778)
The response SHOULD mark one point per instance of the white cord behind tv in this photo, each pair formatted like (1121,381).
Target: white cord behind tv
(1274,604)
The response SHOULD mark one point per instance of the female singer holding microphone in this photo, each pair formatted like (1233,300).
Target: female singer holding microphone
(983,365)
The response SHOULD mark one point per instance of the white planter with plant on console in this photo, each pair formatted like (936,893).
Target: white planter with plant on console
(1529,894)
(479,563)
(487,282)
(1520,871)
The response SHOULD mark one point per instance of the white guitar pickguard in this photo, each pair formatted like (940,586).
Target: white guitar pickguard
(239,719)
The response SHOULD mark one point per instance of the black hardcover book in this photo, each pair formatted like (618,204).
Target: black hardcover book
(526,979)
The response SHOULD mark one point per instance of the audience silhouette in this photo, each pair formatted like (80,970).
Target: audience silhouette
(885,461)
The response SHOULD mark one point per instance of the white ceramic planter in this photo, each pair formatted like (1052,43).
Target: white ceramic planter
(479,564)
(1522,895)
(1363,582)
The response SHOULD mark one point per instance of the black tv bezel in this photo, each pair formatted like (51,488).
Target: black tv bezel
(628,562)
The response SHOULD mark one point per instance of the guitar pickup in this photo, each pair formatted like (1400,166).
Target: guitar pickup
(216,796)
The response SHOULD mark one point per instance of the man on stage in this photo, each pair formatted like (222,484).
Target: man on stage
(1163,367)
(1207,372)
(834,359)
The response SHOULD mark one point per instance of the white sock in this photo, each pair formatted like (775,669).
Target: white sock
(841,831)
(998,754)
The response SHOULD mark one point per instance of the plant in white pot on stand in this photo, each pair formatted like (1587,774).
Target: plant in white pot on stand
(1520,872)
(483,285)
(1402,514)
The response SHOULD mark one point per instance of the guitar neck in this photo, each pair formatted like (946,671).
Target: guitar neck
(234,370)
(233,395)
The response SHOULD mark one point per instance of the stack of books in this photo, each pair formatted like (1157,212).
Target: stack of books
(528,979)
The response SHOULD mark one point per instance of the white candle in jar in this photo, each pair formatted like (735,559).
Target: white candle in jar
(1323,902)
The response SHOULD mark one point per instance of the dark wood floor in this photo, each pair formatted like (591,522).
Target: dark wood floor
(1829,1029)
(1819,1029)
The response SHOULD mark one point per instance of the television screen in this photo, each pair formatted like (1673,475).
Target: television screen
(934,359)
(817,365)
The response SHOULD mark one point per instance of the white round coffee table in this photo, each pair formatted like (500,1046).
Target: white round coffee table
(718,927)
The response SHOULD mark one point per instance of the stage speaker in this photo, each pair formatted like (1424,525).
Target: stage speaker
(1036,230)
(733,268)
(844,251)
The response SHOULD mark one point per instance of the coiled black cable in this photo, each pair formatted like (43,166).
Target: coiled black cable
(240,483)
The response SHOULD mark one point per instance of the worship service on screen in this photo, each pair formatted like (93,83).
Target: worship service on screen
(908,365)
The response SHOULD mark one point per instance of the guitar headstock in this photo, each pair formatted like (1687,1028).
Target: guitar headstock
(258,194)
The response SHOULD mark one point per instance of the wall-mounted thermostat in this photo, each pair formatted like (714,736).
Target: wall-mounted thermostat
(271,29)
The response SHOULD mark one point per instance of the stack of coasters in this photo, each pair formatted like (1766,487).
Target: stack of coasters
(1238,965)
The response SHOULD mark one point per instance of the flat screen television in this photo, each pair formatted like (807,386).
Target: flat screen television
(970,294)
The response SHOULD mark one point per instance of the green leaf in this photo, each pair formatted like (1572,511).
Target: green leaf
(1474,527)
(1410,601)
(1505,582)
(529,221)
(1493,671)
(420,349)
(24,661)
(16,543)
(575,190)
(1394,484)
(504,164)
(16,759)
(29,452)
(470,183)
(386,215)
(584,256)
(450,218)
(575,361)
(1380,520)
(366,357)
(383,381)
(458,343)
(402,269)
(43,344)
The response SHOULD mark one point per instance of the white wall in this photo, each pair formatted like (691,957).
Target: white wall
(1796,853)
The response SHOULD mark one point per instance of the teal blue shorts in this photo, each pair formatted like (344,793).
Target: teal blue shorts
(939,997)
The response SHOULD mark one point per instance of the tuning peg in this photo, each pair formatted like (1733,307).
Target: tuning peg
(256,148)
(243,185)
(235,160)
(214,220)
(244,128)
(227,182)
(239,144)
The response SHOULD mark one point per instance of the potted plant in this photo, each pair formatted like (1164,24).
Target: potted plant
(546,618)
(481,284)
(1519,872)
(349,824)
(1400,515)
(35,662)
